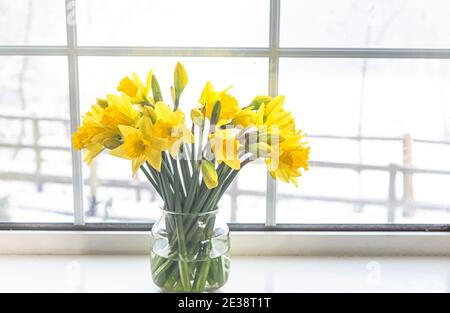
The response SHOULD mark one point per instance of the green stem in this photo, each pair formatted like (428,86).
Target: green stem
(183,257)
(151,180)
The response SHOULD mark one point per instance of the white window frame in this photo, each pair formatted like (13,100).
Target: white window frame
(108,239)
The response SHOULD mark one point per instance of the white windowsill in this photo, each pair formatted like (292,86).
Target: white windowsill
(249,274)
(35,261)
(242,243)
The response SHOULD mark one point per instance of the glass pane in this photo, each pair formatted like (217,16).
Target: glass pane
(35,167)
(28,22)
(365,23)
(212,23)
(361,113)
(129,199)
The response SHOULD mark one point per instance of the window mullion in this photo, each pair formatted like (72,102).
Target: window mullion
(250,52)
(274,61)
(79,218)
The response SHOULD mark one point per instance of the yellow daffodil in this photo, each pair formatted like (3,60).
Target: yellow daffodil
(273,115)
(288,161)
(229,105)
(90,128)
(170,125)
(94,136)
(102,125)
(273,123)
(245,118)
(83,140)
(225,146)
(140,146)
(135,89)
(80,138)
(92,151)
(209,174)
(120,111)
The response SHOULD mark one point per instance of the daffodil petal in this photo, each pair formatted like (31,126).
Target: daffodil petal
(163,111)
(148,83)
(234,164)
(154,157)
(127,130)
(92,151)
(119,152)
(136,164)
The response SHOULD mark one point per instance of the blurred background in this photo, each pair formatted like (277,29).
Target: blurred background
(379,128)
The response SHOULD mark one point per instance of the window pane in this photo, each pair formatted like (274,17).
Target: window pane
(35,167)
(28,22)
(400,108)
(211,23)
(117,195)
(365,23)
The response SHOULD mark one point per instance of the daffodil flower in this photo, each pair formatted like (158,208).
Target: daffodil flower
(245,118)
(120,111)
(229,105)
(273,115)
(140,146)
(100,130)
(287,162)
(170,125)
(135,89)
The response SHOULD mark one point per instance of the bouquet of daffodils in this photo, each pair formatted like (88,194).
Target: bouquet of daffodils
(191,167)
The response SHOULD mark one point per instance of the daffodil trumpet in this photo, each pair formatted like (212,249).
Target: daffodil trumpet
(191,166)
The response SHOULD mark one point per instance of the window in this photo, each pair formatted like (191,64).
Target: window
(367,79)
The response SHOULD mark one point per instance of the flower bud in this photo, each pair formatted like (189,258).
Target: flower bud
(258,101)
(209,174)
(174,97)
(215,115)
(180,80)
(197,117)
(156,89)
(102,103)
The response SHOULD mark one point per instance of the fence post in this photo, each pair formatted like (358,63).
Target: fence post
(408,180)
(37,152)
(138,190)
(392,193)
(93,186)
(234,201)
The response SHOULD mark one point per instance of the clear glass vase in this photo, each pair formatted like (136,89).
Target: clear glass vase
(191,252)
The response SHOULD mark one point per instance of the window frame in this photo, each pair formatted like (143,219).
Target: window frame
(273,53)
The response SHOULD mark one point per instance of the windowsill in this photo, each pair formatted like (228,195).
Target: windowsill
(248,274)
(242,243)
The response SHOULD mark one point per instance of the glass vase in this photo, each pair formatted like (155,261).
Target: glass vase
(191,252)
